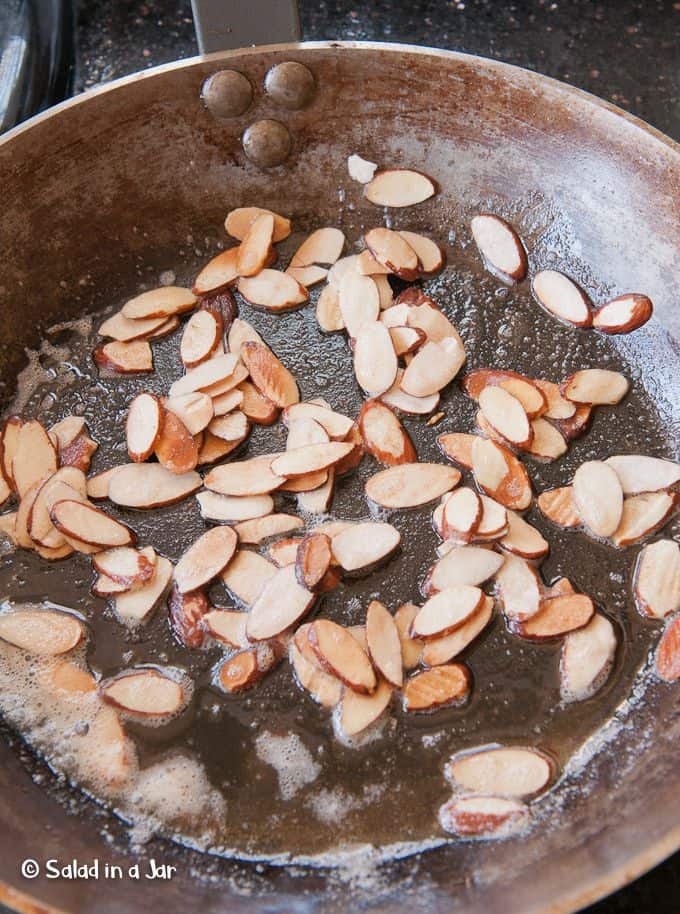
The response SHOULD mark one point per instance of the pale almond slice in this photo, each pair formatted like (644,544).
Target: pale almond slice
(587,659)
(430,255)
(328,313)
(65,432)
(325,689)
(245,668)
(273,290)
(233,508)
(500,247)
(462,512)
(201,336)
(411,648)
(241,332)
(165,302)
(385,293)
(259,529)
(341,655)
(284,551)
(424,314)
(167,327)
(8,526)
(623,314)
(483,817)
(494,520)
(519,589)
(126,566)
(135,606)
(556,405)
(446,611)
(656,585)
(397,316)
(149,485)
(307,482)
(175,447)
(90,525)
(68,677)
(358,711)
(506,414)
(143,426)
(398,399)
(524,390)
(68,482)
(556,617)
(186,612)
(397,187)
(547,442)
(34,456)
(448,684)
(312,560)
(239,221)
(638,473)
(305,431)
(577,425)
(433,367)
(558,506)
(205,559)
(308,276)
(310,458)
(227,627)
(337,426)
(472,565)
(667,655)
(107,587)
(255,246)
(375,361)
(98,485)
(391,250)
(271,378)
(246,575)
(257,408)
(245,477)
(218,273)
(643,514)
(522,539)
(322,246)
(282,602)
(232,427)
(406,339)
(500,474)
(8,445)
(124,330)
(358,302)
(341,268)
(511,771)
(41,631)
(384,644)
(194,410)
(384,436)
(441,650)
(457,446)
(598,497)
(560,588)
(205,375)
(411,484)
(562,298)
(595,387)
(367,265)
(361,546)
(146,692)
(360,170)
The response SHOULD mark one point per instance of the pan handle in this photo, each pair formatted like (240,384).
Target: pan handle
(224,24)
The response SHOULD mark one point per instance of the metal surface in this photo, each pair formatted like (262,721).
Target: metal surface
(136,167)
(224,24)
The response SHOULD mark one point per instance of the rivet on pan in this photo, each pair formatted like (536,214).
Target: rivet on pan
(290,84)
(227,93)
(267,143)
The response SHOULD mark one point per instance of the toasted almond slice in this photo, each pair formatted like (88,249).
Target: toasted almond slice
(511,771)
(556,406)
(227,626)
(500,247)
(65,432)
(308,276)
(68,482)
(522,539)
(397,187)
(457,446)
(385,293)
(167,327)
(391,250)
(461,514)
(125,358)
(427,316)
(245,668)
(623,314)
(434,366)
(232,427)
(307,482)
(242,332)
(411,484)
(470,565)
(558,506)
(398,399)
(638,473)
(150,485)
(8,445)
(577,425)
(233,508)
(194,410)
(259,529)
(312,560)
(322,246)
(67,677)
(358,301)
(246,575)
(355,456)
(257,408)
(375,361)
(547,442)
(519,589)
(656,585)
(254,249)
(41,631)
(224,307)
(667,656)
(218,273)
(202,334)
(310,458)
(406,339)
(446,611)
(239,221)
(441,650)
(213,449)
(562,297)
(317,501)
(361,546)
(78,453)
(524,390)
(271,378)
(273,290)
(284,551)
(205,559)
(143,426)
(146,692)
(595,387)
(367,265)
(500,474)
(359,711)
(88,524)
(337,426)
(328,313)
(411,648)
(186,612)
(506,414)
(556,617)
(125,565)
(134,606)
(483,817)
(430,255)
(8,526)
(98,485)
(325,689)
(124,330)
(448,684)
(282,602)
(384,436)
(560,588)
(643,514)
(245,477)
(598,497)
(205,375)
(587,658)
(165,302)
(34,457)
(176,448)
(384,644)
(341,655)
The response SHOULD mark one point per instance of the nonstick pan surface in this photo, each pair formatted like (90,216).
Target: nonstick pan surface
(108,191)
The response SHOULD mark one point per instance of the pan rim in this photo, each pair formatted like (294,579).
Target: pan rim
(572,899)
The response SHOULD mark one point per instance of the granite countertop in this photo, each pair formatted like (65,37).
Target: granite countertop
(626,51)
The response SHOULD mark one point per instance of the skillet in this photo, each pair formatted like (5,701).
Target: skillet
(106,184)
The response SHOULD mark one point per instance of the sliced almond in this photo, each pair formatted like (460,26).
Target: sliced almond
(218,273)
(358,301)
(242,332)
(483,817)
(89,525)
(242,670)
(165,301)
(557,616)
(556,406)
(397,187)
(125,565)
(511,771)
(98,485)
(303,432)
(273,290)
(232,427)
(384,644)
(194,410)
(462,512)
(623,314)
(239,221)
(547,442)
(34,456)
(406,339)
(558,506)
(656,585)
(271,378)
(186,612)
(587,658)
(494,520)
(150,485)
(284,551)
(310,458)
(167,327)
(367,265)
(78,453)
(254,249)
(500,474)
(519,589)
(205,375)
(175,447)
(245,477)
(223,306)
(595,387)
(522,539)
(255,406)
(67,677)
(667,656)
(313,559)
(446,611)
(41,631)
(8,445)
(425,314)
(471,565)
(598,497)
(322,246)
(39,526)
(560,588)
(391,250)
(325,689)
(411,484)
(341,268)
(282,602)
(328,312)
(500,247)
(507,415)
(107,587)
(143,426)
(361,546)
(398,399)
(337,426)
(246,575)
(259,529)
(577,425)
(457,446)
(212,448)
(205,559)
(308,276)
(201,336)
(375,361)
(411,648)
(638,473)
(441,650)
(227,626)
(135,606)
(448,684)
(433,367)
(146,692)
(643,514)
(562,297)
(524,390)
(8,526)
(66,431)
(124,330)
(359,711)
(384,436)
(233,508)
(341,655)
(429,253)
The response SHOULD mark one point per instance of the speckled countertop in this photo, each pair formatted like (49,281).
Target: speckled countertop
(626,51)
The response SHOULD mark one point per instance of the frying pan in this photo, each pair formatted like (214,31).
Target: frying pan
(104,185)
